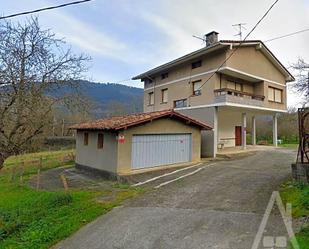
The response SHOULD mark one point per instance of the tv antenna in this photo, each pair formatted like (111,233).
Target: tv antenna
(240,27)
(200,38)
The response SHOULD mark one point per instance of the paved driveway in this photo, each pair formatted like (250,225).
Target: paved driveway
(219,207)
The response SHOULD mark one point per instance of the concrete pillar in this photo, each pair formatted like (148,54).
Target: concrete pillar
(253,131)
(244,130)
(275,130)
(215,131)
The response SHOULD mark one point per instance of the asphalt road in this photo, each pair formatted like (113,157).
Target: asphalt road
(219,207)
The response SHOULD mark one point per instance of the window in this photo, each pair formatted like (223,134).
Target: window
(147,82)
(196,64)
(86,136)
(197,87)
(164,76)
(271,94)
(180,103)
(100,140)
(164,96)
(150,98)
(278,96)
(238,87)
(274,95)
(234,86)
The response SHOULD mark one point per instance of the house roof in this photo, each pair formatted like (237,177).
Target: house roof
(216,46)
(123,122)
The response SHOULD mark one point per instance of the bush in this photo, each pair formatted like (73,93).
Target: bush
(61,199)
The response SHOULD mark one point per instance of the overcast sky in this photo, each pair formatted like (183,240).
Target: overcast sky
(127,37)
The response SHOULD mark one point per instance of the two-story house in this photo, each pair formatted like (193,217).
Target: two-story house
(226,84)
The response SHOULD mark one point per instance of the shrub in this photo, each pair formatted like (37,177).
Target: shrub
(61,199)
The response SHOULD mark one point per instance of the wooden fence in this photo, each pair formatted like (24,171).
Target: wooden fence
(18,171)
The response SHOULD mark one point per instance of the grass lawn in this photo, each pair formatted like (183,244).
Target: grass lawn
(38,219)
(48,157)
(298,195)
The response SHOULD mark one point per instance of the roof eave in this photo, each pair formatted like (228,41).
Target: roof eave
(180,60)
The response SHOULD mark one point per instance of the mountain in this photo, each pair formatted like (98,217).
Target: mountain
(110,98)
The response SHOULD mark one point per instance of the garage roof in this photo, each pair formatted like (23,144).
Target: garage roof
(123,122)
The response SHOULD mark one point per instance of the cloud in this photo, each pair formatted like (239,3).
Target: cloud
(87,37)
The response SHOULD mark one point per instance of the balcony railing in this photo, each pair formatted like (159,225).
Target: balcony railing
(234,96)
(224,91)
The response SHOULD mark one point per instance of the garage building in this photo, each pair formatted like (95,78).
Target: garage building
(137,143)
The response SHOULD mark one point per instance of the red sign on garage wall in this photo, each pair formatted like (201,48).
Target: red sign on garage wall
(121,139)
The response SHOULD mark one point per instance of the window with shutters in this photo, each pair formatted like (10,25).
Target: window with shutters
(271,94)
(86,138)
(274,95)
(164,95)
(234,86)
(197,87)
(100,140)
(150,98)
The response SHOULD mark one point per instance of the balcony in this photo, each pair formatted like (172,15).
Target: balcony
(238,97)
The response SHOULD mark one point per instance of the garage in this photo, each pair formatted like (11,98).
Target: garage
(172,148)
(137,143)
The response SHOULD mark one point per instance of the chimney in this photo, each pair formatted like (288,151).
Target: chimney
(211,38)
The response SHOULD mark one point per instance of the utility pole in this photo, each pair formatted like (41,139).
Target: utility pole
(240,27)
(62,127)
(54,123)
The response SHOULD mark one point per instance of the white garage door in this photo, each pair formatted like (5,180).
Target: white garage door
(160,149)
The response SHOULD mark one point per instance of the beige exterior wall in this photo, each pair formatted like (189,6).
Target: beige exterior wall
(249,60)
(253,61)
(205,115)
(89,155)
(183,88)
(160,126)
(226,127)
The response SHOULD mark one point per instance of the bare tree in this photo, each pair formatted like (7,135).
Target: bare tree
(34,64)
(302,83)
(115,108)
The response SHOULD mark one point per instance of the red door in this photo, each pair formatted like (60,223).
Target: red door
(238,135)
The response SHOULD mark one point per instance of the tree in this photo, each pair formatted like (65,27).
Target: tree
(33,65)
(302,83)
(115,108)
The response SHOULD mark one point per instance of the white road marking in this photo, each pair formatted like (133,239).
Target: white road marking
(180,177)
(166,174)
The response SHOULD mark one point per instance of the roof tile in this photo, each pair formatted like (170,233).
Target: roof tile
(121,122)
